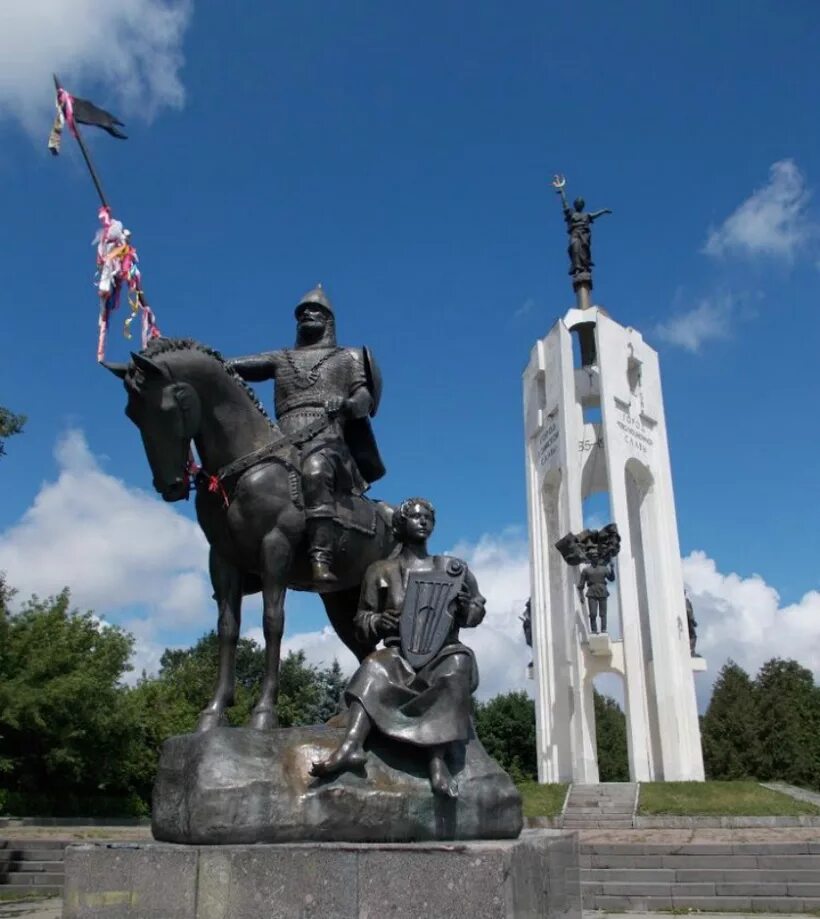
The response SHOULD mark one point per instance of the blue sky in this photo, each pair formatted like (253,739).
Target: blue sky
(401,155)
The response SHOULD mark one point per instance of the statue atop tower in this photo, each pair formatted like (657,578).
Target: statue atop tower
(579,226)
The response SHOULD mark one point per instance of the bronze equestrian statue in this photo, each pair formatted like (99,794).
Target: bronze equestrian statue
(280,506)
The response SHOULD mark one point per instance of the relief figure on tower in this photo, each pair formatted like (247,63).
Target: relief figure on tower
(324,396)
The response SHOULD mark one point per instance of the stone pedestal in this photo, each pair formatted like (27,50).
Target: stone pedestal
(533,877)
(237,785)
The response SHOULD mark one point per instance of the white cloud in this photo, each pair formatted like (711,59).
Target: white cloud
(320,647)
(708,321)
(116,547)
(127,52)
(526,307)
(773,221)
(741,618)
(501,564)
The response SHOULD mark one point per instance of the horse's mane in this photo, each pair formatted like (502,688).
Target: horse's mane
(158,346)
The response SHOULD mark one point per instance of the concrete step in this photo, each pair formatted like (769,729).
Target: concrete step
(709,904)
(31,866)
(596,811)
(30,854)
(698,875)
(596,806)
(614,820)
(30,879)
(797,847)
(26,890)
(746,877)
(34,843)
(601,819)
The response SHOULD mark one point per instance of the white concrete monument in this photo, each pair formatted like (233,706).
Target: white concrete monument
(595,423)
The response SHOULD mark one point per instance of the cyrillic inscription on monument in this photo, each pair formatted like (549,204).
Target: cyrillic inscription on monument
(546,448)
(636,432)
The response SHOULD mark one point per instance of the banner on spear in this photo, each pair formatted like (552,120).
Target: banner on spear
(117,259)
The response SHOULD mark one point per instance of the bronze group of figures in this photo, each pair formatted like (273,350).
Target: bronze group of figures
(594,550)
(282,504)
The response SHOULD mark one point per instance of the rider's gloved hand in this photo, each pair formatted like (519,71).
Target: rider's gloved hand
(336,407)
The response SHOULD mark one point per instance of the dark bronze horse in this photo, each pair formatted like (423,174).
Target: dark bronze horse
(247,502)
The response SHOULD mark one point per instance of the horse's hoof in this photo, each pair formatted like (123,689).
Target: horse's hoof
(210,720)
(264,720)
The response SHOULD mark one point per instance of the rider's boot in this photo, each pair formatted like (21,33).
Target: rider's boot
(321,550)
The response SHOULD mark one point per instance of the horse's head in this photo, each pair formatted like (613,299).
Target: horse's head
(167,413)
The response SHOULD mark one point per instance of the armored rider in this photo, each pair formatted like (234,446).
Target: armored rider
(324,396)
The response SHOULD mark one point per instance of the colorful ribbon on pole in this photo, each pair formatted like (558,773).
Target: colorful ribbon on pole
(118,266)
(117,259)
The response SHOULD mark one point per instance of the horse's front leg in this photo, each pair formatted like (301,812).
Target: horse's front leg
(277,553)
(227,584)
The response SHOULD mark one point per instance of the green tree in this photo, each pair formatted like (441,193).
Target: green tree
(788,706)
(729,729)
(10,424)
(169,703)
(62,715)
(506,726)
(190,675)
(610,733)
(332,684)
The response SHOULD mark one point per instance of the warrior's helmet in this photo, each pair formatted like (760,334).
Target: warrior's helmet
(317,297)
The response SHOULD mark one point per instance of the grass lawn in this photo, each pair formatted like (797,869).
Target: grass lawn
(730,799)
(542,800)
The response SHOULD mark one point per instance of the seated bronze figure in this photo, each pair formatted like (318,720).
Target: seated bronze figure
(417,687)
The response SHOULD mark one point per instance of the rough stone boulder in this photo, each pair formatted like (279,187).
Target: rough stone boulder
(238,785)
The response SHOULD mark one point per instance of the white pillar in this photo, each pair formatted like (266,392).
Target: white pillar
(625,454)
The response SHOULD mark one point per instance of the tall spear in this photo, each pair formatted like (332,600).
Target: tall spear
(116,256)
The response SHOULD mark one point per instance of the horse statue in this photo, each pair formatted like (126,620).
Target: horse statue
(248,503)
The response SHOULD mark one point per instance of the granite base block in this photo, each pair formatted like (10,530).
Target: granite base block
(533,877)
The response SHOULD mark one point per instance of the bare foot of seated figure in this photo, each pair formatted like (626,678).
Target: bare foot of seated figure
(347,756)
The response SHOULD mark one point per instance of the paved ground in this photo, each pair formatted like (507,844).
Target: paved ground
(79,833)
(52,908)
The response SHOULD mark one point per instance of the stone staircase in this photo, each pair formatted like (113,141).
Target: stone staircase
(32,866)
(611,804)
(741,877)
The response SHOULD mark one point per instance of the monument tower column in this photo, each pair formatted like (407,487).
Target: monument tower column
(594,423)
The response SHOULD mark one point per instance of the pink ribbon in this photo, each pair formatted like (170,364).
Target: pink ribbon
(67,106)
